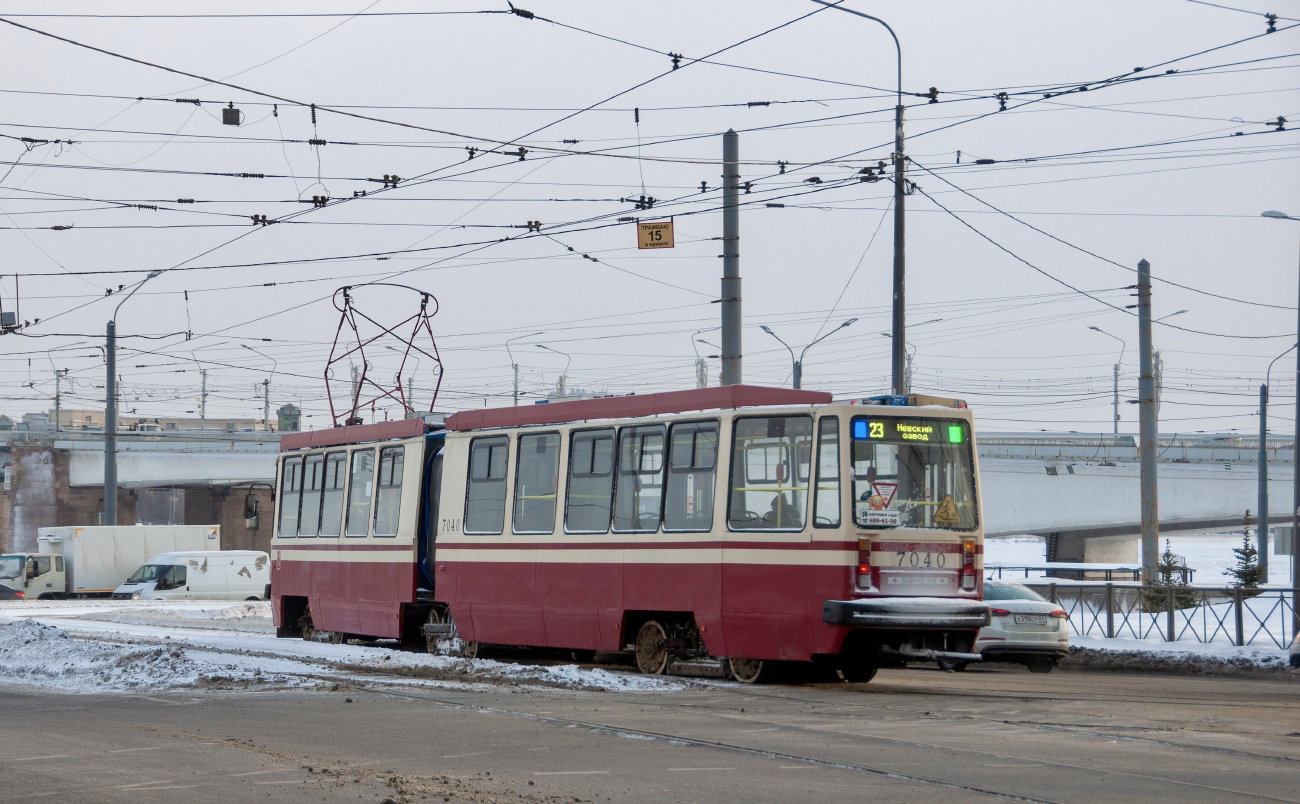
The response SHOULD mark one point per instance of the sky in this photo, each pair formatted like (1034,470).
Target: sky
(1131,131)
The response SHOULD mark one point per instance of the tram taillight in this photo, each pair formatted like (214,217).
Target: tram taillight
(968,565)
(864,564)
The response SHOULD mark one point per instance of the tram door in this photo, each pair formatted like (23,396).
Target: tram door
(768,534)
(428,534)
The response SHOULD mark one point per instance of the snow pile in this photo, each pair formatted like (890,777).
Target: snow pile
(34,654)
(252,616)
(1183,658)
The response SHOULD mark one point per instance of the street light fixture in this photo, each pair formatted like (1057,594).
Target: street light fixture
(564,378)
(515,366)
(899,335)
(110,409)
(1122,347)
(266,388)
(1295,487)
(798,364)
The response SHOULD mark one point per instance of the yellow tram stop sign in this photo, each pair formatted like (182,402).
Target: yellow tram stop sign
(655,234)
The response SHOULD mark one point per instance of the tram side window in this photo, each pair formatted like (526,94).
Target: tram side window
(770,469)
(312,481)
(591,482)
(640,485)
(485,497)
(331,517)
(290,496)
(388,495)
(360,492)
(826,505)
(537,483)
(692,472)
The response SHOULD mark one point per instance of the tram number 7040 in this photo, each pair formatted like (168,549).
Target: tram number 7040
(915,559)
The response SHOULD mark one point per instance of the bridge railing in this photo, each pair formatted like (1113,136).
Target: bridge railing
(1207,614)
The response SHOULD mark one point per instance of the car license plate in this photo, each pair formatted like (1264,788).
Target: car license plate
(1031,619)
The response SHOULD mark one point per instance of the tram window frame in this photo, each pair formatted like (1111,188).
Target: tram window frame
(353,507)
(698,462)
(396,473)
(580,478)
(291,473)
(492,444)
(317,458)
(529,447)
(640,432)
(834,443)
(788,453)
(337,462)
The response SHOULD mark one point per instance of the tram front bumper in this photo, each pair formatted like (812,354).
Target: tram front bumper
(907,612)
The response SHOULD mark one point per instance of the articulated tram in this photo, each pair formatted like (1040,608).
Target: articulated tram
(709,532)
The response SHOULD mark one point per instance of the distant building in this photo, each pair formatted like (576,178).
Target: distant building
(94,420)
(289,418)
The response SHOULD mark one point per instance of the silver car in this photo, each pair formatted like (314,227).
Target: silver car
(1026,629)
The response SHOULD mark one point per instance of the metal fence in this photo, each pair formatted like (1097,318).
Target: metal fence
(1195,613)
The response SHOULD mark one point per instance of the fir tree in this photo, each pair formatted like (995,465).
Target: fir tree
(1247,574)
(1170,571)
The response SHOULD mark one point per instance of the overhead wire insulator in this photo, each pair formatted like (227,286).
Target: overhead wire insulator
(933,95)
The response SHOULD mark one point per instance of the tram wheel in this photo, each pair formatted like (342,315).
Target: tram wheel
(746,671)
(857,674)
(469,650)
(651,655)
(338,637)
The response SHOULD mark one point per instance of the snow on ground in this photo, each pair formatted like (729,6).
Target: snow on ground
(109,646)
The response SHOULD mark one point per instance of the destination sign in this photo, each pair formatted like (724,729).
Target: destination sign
(889,430)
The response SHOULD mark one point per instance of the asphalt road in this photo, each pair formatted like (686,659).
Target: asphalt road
(910,735)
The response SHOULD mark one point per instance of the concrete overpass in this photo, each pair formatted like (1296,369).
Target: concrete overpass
(1079,491)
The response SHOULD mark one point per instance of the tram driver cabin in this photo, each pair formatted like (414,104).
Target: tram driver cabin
(713,531)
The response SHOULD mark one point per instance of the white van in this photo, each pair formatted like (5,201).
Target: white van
(200,575)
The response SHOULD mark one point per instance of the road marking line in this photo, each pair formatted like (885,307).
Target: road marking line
(126,750)
(259,773)
(753,731)
(30,759)
(458,756)
(701,769)
(795,767)
(569,773)
(139,784)
(286,781)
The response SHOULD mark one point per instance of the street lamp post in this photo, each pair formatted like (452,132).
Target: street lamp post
(266,388)
(564,378)
(899,334)
(110,409)
(515,366)
(1295,472)
(798,363)
(1122,347)
(1261,530)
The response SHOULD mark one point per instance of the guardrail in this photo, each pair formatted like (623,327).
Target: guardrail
(1193,613)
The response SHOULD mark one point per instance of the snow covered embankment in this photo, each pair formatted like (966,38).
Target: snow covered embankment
(37,655)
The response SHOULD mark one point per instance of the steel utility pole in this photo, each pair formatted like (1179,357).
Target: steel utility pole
(266,404)
(203,399)
(1116,399)
(110,409)
(58,398)
(732,350)
(110,428)
(1147,427)
(1261,530)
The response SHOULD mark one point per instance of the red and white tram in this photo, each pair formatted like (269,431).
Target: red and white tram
(713,531)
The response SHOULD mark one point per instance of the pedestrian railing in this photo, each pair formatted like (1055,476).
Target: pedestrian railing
(1194,613)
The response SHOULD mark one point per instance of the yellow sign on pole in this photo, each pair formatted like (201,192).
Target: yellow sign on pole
(658,234)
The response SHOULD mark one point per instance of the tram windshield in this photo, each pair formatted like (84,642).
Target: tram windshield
(913,473)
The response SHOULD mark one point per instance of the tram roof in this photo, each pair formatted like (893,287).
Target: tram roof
(625,407)
(354,434)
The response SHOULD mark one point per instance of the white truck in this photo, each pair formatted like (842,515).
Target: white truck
(93,561)
(201,575)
